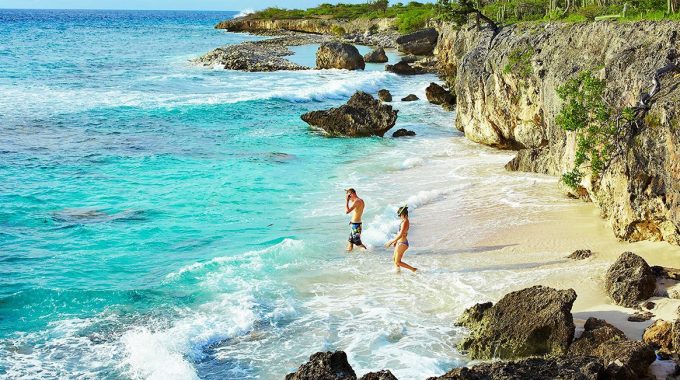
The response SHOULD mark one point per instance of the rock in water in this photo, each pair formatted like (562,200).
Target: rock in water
(596,332)
(580,254)
(401,132)
(325,366)
(630,280)
(409,98)
(421,42)
(338,55)
(660,336)
(381,375)
(376,56)
(626,359)
(385,95)
(402,68)
(567,368)
(362,116)
(530,322)
(436,94)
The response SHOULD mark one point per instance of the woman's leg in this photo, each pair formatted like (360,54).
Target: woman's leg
(400,249)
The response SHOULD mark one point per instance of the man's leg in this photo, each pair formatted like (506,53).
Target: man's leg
(350,247)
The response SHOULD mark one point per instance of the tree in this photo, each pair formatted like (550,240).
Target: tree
(380,5)
(459,11)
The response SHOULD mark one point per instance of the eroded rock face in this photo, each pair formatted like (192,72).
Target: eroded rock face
(533,321)
(376,56)
(421,42)
(626,359)
(325,366)
(630,280)
(266,55)
(338,55)
(596,332)
(385,95)
(660,336)
(436,94)
(567,368)
(361,116)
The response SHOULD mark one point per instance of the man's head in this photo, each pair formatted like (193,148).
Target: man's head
(351,193)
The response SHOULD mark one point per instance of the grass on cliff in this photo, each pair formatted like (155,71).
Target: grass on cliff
(408,17)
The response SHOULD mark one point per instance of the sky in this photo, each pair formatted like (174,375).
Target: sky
(217,5)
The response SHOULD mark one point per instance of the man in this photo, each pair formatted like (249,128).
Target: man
(354,205)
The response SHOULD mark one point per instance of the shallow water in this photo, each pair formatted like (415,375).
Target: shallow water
(165,221)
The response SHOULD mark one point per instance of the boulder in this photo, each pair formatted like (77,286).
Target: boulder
(338,55)
(409,58)
(626,359)
(530,322)
(385,95)
(409,98)
(401,132)
(402,68)
(473,315)
(580,254)
(596,332)
(676,336)
(380,375)
(660,336)
(630,280)
(361,116)
(564,368)
(436,94)
(376,56)
(421,42)
(325,366)
(640,316)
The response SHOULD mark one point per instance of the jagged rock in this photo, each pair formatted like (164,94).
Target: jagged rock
(338,55)
(532,321)
(649,305)
(409,58)
(676,336)
(660,336)
(473,315)
(564,368)
(640,316)
(402,68)
(630,280)
(325,366)
(596,332)
(420,42)
(401,132)
(381,375)
(361,116)
(385,95)
(669,273)
(580,254)
(254,56)
(376,56)
(626,359)
(436,94)
(409,98)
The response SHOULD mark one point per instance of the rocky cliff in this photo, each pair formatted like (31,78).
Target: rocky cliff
(506,88)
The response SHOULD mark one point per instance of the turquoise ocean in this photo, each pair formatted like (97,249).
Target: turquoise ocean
(160,220)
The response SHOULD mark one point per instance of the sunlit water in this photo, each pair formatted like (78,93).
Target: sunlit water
(166,221)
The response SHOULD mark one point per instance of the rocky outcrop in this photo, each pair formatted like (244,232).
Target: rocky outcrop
(532,321)
(401,132)
(338,55)
(660,336)
(506,87)
(376,56)
(421,42)
(626,359)
(380,375)
(630,280)
(402,68)
(596,332)
(567,368)
(580,254)
(361,116)
(436,94)
(409,98)
(325,366)
(385,95)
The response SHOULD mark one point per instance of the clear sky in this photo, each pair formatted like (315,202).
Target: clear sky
(219,5)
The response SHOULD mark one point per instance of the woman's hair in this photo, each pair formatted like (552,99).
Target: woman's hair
(402,211)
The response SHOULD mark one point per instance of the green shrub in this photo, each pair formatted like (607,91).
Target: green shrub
(519,62)
(338,30)
(592,11)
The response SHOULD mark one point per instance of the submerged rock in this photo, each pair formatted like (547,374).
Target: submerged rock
(385,95)
(566,368)
(436,94)
(630,280)
(362,116)
(401,132)
(376,56)
(409,98)
(325,366)
(530,322)
(402,68)
(338,55)
(421,42)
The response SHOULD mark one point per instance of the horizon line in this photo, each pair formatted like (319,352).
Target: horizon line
(117,9)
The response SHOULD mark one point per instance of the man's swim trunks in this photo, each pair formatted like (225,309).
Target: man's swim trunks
(355,233)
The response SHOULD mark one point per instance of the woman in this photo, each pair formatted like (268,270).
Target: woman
(400,242)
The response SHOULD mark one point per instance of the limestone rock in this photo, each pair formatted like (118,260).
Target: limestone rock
(385,95)
(376,56)
(473,315)
(402,68)
(409,98)
(596,332)
(325,366)
(436,94)
(381,375)
(529,322)
(564,368)
(361,116)
(640,316)
(402,132)
(626,359)
(338,55)
(660,336)
(630,280)
(421,42)
(580,254)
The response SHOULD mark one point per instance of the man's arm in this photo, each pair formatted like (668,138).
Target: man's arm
(349,209)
